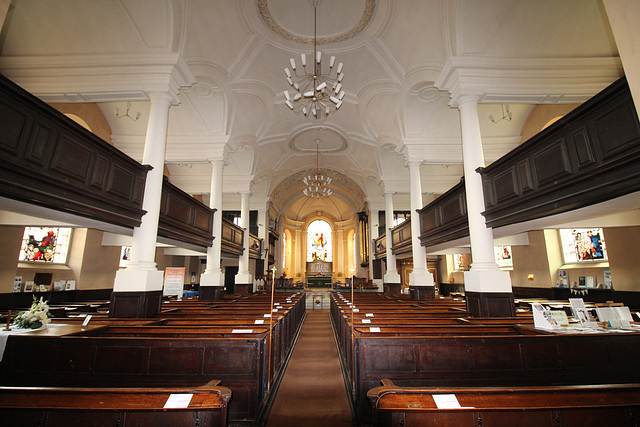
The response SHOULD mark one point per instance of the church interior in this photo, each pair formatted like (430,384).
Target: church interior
(430,204)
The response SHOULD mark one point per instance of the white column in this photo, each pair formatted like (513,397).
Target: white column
(420,275)
(391,276)
(373,234)
(624,16)
(484,275)
(263,227)
(213,276)
(141,273)
(243,276)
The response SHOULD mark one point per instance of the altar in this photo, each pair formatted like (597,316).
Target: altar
(319,274)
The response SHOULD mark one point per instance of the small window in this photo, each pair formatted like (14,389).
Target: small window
(125,255)
(583,245)
(45,244)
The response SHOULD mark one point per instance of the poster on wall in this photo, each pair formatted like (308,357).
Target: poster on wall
(563,279)
(173,281)
(608,284)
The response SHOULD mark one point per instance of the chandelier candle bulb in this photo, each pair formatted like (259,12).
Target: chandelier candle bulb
(338,88)
(332,61)
(340,77)
(318,57)
(287,72)
(334,99)
(293,63)
(338,104)
(289,104)
(286,94)
(321,86)
(303,58)
(339,70)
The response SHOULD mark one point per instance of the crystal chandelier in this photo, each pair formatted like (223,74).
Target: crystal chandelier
(316,184)
(314,93)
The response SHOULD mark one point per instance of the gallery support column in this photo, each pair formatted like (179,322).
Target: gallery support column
(244,281)
(137,291)
(392,282)
(373,230)
(487,288)
(421,286)
(212,280)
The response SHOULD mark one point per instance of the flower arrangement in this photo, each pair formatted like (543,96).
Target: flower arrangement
(37,316)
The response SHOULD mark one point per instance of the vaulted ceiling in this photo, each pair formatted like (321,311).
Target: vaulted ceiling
(403,61)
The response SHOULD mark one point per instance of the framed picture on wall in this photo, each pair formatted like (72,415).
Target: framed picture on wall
(28,286)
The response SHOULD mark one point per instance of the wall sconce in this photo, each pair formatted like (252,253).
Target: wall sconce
(530,276)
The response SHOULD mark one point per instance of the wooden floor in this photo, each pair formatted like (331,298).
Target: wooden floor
(312,392)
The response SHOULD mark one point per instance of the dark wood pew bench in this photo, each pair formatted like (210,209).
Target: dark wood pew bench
(108,407)
(568,406)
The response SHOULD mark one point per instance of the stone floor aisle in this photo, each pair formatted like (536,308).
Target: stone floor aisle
(312,392)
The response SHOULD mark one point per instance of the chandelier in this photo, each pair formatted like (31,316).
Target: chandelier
(316,184)
(314,93)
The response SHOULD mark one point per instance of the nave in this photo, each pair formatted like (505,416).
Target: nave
(312,392)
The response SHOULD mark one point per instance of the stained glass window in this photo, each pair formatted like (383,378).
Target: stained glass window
(45,244)
(319,241)
(125,255)
(583,245)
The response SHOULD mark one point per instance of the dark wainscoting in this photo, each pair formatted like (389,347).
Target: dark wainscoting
(135,304)
(489,304)
(211,293)
(392,288)
(21,300)
(422,293)
(589,156)
(445,218)
(527,292)
(48,160)
(447,289)
(184,218)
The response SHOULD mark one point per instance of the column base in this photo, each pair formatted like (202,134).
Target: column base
(135,304)
(392,288)
(422,293)
(243,288)
(490,304)
(210,293)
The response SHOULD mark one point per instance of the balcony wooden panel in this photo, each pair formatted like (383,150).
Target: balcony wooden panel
(380,249)
(184,218)
(255,247)
(590,156)
(401,237)
(232,238)
(48,160)
(445,218)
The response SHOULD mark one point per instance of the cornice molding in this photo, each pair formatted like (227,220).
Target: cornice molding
(527,80)
(99,78)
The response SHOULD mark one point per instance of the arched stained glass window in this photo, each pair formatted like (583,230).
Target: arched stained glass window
(319,241)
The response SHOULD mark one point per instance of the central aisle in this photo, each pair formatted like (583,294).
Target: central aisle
(312,392)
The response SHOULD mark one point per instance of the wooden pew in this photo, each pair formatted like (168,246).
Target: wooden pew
(411,357)
(568,406)
(155,352)
(125,407)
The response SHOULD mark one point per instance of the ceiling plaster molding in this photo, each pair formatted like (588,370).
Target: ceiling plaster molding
(448,151)
(527,80)
(99,78)
(265,14)
(343,142)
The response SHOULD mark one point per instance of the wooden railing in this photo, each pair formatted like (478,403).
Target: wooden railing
(445,218)
(401,238)
(232,238)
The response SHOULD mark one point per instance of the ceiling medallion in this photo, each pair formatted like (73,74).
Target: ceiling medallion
(265,14)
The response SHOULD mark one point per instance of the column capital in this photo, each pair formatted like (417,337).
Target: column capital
(467,100)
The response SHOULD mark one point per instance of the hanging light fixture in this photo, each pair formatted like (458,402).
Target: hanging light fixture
(314,94)
(317,184)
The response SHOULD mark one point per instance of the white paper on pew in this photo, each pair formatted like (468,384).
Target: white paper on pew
(275,310)
(178,401)
(242,331)
(86,320)
(369,314)
(356,310)
(366,320)
(267,315)
(374,329)
(259,322)
(446,401)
